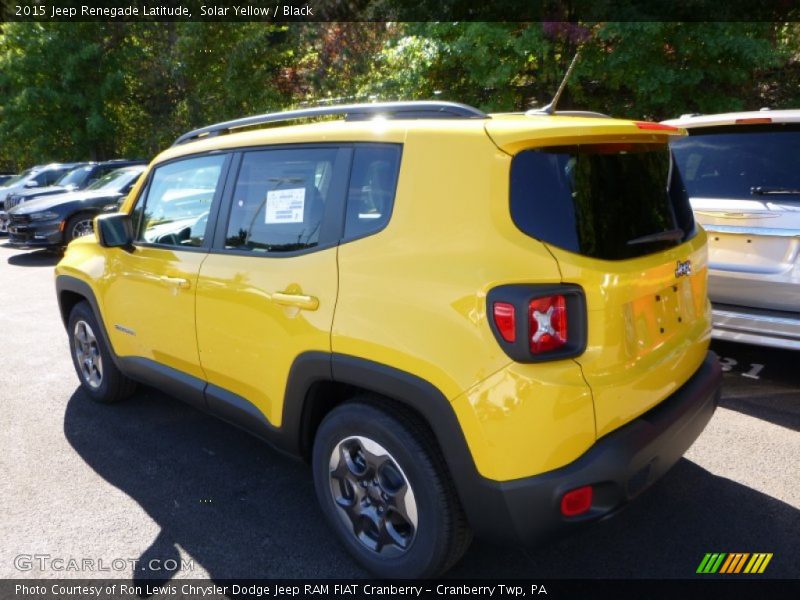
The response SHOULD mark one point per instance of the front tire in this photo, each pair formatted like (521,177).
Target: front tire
(99,376)
(78,226)
(384,489)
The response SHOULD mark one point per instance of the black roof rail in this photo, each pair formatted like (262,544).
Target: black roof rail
(538,112)
(353,112)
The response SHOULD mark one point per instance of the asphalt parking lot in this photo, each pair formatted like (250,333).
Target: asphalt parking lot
(155,479)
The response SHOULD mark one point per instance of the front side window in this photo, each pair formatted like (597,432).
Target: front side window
(50,177)
(174,208)
(76,177)
(116,180)
(279,200)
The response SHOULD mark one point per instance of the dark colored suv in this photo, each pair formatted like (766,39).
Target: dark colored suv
(77,179)
(35,177)
(56,220)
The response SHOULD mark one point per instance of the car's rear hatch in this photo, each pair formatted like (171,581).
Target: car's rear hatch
(744,186)
(595,192)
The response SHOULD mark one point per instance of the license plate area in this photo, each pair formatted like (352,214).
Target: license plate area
(751,253)
(653,318)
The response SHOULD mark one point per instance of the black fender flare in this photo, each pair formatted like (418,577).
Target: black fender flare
(68,283)
(477,494)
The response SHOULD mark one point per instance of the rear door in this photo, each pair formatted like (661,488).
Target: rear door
(744,185)
(267,291)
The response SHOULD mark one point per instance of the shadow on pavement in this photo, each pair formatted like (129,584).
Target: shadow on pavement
(35,258)
(241,510)
(774,396)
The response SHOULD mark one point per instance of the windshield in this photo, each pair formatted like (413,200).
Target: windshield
(754,163)
(608,201)
(116,180)
(18,178)
(76,177)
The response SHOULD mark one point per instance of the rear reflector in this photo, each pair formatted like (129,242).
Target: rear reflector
(505,320)
(547,323)
(753,121)
(655,126)
(577,501)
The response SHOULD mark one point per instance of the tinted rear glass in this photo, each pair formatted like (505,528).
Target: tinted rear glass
(741,162)
(608,201)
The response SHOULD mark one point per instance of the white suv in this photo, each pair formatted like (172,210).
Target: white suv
(742,173)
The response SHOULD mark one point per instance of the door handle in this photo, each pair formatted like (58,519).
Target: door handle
(298,300)
(176,281)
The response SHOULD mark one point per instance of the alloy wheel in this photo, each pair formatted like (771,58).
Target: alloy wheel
(373,496)
(82,228)
(87,354)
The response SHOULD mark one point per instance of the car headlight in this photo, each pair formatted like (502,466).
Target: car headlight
(44,216)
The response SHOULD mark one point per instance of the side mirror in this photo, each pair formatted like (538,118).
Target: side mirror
(31,184)
(114,230)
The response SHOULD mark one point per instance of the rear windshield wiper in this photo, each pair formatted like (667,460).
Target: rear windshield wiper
(670,235)
(767,191)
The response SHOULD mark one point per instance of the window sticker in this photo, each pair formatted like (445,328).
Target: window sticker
(285,206)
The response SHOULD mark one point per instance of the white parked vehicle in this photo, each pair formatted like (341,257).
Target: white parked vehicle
(742,173)
(38,176)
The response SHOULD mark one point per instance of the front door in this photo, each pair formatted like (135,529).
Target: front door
(150,295)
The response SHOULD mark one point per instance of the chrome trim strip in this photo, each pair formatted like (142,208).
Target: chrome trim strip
(755,231)
(754,328)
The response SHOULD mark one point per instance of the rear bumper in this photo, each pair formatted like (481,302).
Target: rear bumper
(619,467)
(776,329)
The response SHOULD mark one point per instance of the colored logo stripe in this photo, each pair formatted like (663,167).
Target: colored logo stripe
(758,563)
(711,563)
(734,563)
(722,562)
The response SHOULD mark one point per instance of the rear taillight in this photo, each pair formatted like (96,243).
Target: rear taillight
(505,320)
(649,125)
(753,121)
(547,323)
(535,323)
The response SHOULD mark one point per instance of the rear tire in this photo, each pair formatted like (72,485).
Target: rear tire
(99,376)
(385,490)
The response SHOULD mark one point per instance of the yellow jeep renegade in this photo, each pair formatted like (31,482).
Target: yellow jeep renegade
(467,323)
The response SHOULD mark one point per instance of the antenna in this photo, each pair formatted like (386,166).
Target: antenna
(551,108)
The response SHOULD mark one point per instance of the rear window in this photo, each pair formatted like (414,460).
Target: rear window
(607,201)
(741,162)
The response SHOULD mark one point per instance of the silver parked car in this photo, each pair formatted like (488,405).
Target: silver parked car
(742,174)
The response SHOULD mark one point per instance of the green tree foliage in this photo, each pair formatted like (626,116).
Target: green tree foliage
(71,91)
(60,87)
(654,70)
(659,70)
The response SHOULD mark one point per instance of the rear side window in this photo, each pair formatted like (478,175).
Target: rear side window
(373,181)
(761,163)
(280,199)
(607,201)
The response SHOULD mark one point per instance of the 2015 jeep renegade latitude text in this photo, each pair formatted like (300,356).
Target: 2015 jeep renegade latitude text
(468,324)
